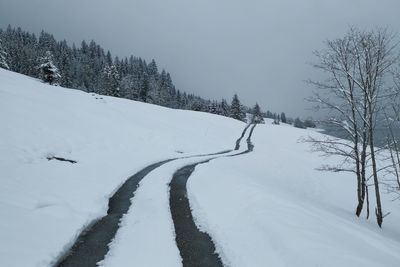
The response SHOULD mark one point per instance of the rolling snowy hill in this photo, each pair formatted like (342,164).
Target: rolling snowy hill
(269,207)
(276,209)
(44,204)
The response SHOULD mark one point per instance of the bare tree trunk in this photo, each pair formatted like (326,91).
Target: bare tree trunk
(360,183)
(363,157)
(367,196)
(394,155)
(378,209)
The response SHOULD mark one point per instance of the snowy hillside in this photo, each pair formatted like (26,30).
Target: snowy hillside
(276,209)
(44,204)
(269,207)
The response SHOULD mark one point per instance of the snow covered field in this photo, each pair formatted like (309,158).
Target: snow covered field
(266,208)
(44,204)
(272,208)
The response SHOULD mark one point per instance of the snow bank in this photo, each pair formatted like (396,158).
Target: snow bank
(272,208)
(44,204)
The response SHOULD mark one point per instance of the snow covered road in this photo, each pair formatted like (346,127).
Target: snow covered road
(146,236)
(92,245)
(196,247)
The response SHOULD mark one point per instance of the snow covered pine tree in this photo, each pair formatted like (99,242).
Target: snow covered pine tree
(48,72)
(111,81)
(237,110)
(257,116)
(3,58)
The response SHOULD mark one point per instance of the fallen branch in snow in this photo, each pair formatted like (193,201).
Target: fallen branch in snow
(61,159)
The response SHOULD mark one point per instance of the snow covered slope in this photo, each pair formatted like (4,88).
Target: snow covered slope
(272,208)
(44,204)
(269,207)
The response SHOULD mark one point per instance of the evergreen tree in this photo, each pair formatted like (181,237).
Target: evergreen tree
(283,117)
(225,109)
(257,115)
(65,65)
(3,57)
(179,99)
(196,105)
(165,96)
(213,108)
(109,58)
(111,81)
(48,72)
(46,42)
(130,86)
(237,110)
(276,119)
(298,123)
(152,69)
(144,88)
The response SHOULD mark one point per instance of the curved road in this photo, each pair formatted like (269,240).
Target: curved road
(91,246)
(196,247)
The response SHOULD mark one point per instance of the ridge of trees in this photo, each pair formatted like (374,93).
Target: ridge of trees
(92,69)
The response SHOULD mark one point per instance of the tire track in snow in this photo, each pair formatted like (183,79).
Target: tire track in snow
(196,247)
(91,246)
(237,146)
(250,145)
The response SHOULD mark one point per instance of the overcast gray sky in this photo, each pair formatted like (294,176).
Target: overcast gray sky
(214,48)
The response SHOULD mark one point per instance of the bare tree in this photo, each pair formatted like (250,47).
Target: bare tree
(337,94)
(392,116)
(374,57)
(393,147)
(353,92)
